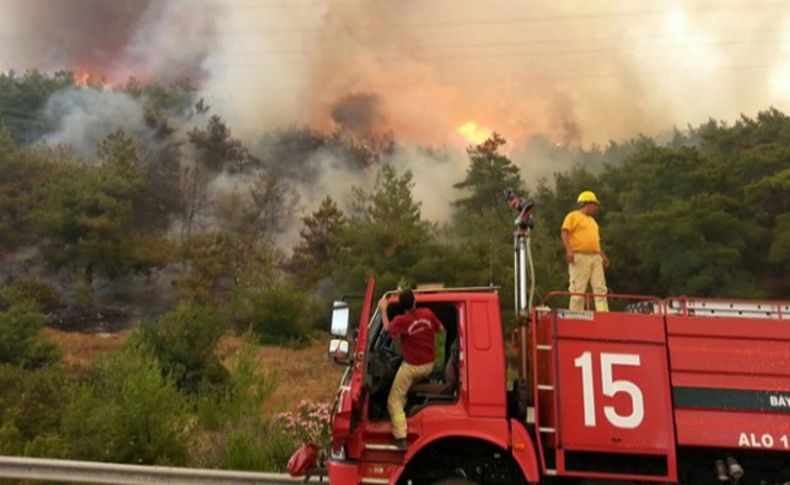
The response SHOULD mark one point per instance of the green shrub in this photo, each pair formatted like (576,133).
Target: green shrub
(32,399)
(21,343)
(27,289)
(245,393)
(48,445)
(278,314)
(84,295)
(11,440)
(251,445)
(127,411)
(184,341)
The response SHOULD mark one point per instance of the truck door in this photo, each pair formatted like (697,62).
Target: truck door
(349,399)
(358,371)
(606,378)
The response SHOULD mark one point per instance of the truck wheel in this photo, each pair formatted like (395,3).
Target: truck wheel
(455,481)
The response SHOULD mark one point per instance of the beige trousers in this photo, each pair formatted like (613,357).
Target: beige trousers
(406,376)
(587,269)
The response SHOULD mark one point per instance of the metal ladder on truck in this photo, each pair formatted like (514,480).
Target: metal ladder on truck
(544,369)
(544,364)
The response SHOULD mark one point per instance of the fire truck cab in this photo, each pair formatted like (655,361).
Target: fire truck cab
(669,391)
(458,420)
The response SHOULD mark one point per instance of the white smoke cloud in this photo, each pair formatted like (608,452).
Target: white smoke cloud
(84,117)
(574,72)
(435,173)
(171,41)
(543,73)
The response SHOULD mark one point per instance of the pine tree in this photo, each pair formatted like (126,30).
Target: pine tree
(489,173)
(321,241)
(217,150)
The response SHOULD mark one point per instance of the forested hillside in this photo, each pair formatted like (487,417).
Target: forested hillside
(135,206)
(706,214)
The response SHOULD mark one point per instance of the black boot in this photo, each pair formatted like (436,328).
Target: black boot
(401,444)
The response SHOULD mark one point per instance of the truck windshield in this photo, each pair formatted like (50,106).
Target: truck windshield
(374,329)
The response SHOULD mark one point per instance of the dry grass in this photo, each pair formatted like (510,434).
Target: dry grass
(302,373)
(80,349)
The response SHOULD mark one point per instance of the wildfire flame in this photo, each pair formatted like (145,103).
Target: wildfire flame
(82,78)
(474,133)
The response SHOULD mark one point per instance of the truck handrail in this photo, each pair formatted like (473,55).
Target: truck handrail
(694,306)
(658,302)
(461,289)
(727,307)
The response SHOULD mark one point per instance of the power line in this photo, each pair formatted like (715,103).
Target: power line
(327,3)
(538,79)
(541,41)
(463,58)
(712,8)
(715,8)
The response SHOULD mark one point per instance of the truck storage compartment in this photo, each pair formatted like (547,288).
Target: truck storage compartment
(730,370)
(603,395)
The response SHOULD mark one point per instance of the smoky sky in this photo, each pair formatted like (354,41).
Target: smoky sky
(57,34)
(152,40)
(360,113)
(576,72)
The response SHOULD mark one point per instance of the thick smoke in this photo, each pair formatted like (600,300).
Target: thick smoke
(82,118)
(49,35)
(545,74)
(574,72)
(152,40)
(360,114)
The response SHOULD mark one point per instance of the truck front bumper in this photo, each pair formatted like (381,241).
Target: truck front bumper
(343,472)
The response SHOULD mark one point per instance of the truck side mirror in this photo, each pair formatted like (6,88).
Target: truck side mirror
(339,350)
(340,316)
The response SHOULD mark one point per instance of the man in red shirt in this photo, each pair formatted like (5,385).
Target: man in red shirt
(416,328)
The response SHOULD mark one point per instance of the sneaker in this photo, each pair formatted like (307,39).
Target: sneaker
(721,471)
(401,444)
(734,468)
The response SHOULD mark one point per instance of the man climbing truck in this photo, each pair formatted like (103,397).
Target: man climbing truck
(679,390)
(416,328)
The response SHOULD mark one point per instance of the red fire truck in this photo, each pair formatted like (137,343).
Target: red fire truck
(680,390)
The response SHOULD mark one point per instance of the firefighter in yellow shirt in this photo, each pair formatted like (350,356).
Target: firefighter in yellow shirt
(586,260)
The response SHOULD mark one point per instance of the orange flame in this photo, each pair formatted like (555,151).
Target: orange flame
(474,133)
(82,78)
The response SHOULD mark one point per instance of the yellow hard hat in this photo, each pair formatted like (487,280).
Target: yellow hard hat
(587,196)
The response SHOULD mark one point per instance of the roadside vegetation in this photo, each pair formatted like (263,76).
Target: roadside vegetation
(706,213)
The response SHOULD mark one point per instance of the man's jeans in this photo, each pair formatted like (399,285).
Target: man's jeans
(407,375)
(587,268)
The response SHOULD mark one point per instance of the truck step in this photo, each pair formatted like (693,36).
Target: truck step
(382,447)
(530,414)
(372,481)
(545,348)
(547,430)
(545,387)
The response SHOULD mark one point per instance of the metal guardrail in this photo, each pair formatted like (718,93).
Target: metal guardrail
(113,473)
